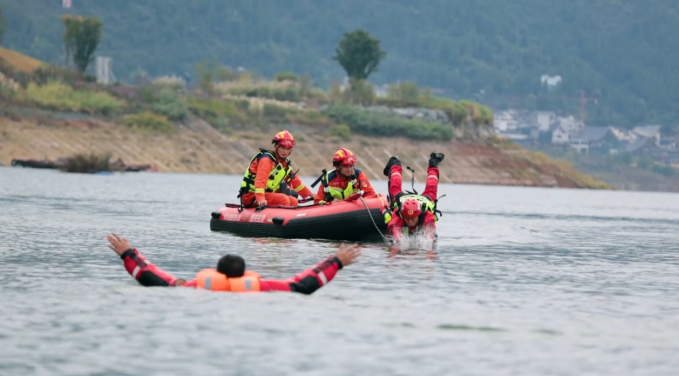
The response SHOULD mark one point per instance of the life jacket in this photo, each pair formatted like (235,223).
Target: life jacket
(277,175)
(211,279)
(426,205)
(337,192)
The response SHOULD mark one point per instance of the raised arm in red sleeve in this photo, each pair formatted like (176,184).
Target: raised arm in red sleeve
(308,281)
(146,273)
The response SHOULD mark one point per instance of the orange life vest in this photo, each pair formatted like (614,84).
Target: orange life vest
(211,279)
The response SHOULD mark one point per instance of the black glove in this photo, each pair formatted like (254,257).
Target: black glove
(435,159)
(392,161)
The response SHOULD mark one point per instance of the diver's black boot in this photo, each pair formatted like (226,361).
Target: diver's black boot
(392,161)
(435,159)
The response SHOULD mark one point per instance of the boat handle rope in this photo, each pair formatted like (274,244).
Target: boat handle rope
(371,217)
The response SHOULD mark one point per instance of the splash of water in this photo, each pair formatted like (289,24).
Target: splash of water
(422,240)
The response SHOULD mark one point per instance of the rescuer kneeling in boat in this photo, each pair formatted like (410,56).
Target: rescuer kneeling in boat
(261,185)
(412,213)
(230,274)
(346,182)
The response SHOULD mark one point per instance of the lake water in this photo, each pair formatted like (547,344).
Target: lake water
(524,281)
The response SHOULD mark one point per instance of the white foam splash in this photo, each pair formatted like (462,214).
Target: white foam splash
(418,241)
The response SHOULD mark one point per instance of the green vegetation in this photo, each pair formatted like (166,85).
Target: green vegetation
(342,131)
(541,161)
(18,62)
(622,53)
(86,163)
(219,113)
(615,167)
(407,94)
(58,96)
(282,91)
(285,76)
(273,111)
(3,25)
(359,53)
(376,124)
(166,101)
(245,102)
(149,121)
(81,37)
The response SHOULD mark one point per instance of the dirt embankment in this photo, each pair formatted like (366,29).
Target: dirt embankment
(198,147)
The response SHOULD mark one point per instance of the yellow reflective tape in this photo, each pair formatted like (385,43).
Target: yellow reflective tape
(260,190)
(299,188)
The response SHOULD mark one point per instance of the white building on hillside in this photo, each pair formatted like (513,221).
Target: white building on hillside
(505,122)
(543,120)
(560,136)
(566,129)
(648,131)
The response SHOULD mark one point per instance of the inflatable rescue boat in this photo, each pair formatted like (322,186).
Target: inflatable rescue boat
(359,220)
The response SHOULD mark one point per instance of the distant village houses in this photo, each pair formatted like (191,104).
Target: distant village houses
(542,128)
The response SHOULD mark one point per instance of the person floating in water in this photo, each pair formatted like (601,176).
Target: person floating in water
(412,213)
(230,274)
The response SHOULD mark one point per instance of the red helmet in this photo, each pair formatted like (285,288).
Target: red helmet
(410,208)
(344,157)
(284,139)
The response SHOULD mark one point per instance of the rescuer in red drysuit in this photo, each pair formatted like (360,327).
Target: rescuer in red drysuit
(412,213)
(230,274)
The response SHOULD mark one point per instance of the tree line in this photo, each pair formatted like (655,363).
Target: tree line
(621,53)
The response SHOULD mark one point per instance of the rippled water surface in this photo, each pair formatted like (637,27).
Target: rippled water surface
(523,281)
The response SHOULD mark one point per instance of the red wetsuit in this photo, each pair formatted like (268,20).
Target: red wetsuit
(428,223)
(306,282)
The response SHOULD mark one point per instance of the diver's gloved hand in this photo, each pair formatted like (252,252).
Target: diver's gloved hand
(392,161)
(435,159)
(386,213)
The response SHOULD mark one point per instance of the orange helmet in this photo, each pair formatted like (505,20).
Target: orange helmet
(284,139)
(410,208)
(344,157)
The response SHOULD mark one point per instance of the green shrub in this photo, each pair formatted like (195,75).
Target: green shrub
(218,112)
(49,73)
(169,103)
(456,110)
(150,121)
(308,117)
(405,91)
(86,163)
(285,76)
(479,114)
(663,170)
(377,124)
(284,91)
(645,162)
(342,131)
(359,92)
(61,97)
(174,83)
(273,111)
(403,95)
(396,103)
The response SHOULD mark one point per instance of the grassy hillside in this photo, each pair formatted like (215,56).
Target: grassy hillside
(20,62)
(623,53)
